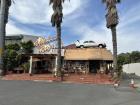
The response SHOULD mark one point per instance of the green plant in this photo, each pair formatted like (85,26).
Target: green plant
(27,47)
(26,67)
(13,47)
(10,61)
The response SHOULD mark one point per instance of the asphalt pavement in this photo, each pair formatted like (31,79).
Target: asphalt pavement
(44,93)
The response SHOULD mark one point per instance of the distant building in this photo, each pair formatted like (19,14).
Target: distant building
(18,38)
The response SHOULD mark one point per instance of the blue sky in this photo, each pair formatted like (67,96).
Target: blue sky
(83,20)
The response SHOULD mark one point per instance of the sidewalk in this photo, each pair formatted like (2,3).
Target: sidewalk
(72,78)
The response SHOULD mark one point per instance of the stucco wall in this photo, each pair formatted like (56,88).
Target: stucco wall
(132,68)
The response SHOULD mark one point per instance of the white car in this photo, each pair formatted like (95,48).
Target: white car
(89,44)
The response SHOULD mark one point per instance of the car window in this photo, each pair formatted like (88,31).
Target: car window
(85,41)
(91,42)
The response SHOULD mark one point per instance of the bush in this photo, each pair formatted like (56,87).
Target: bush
(26,67)
(10,61)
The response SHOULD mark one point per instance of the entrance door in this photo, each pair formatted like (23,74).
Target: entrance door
(94,66)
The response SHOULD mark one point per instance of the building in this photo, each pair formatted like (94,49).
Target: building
(88,60)
(18,38)
(75,60)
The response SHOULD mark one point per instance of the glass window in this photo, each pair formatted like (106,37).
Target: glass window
(85,41)
(91,42)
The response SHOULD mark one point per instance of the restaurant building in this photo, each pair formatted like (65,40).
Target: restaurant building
(88,60)
(77,60)
(74,60)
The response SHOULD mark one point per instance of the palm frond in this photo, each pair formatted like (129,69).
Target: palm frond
(117,1)
(9,2)
(57,16)
(112,14)
(58,1)
(103,1)
(13,1)
(51,1)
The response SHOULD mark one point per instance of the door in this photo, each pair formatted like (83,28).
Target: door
(94,66)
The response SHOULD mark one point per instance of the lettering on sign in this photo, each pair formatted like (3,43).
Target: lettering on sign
(44,44)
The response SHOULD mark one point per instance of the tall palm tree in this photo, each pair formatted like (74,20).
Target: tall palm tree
(112,22)
(4,11)
(56,21)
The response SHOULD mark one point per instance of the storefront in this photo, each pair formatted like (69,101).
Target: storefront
(41,63)
(85,60)
(88,60)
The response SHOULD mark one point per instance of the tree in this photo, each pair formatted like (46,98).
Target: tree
(27,47)
(112,22)
(121,60)
(13,55)
(126,58)
(10,59)
(13,46)
(56,21)
(135,57)
(4,11)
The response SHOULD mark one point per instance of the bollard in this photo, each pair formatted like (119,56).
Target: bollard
(116,84)
(132,83)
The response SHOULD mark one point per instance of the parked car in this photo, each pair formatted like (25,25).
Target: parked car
(90,43)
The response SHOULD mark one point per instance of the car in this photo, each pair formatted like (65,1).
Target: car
(90,43)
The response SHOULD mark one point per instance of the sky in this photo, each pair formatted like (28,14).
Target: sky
(83,20)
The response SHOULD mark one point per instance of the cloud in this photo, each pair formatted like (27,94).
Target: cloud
(130,16)
(12,29)
(128,43)
(26,14)
(127,31)
(36,11)
(81,19)
(96,33)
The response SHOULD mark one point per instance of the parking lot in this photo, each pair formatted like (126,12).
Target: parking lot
(43,93)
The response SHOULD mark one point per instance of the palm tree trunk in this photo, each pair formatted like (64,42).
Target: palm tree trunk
(59,65)
(2,34)
(114,41)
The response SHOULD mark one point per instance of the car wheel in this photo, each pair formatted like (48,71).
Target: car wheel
(81,46)
(101,46)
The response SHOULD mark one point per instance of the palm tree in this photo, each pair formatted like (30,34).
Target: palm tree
(112,22)
(56,21)
(4,11)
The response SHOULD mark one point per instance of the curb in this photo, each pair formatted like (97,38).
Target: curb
(49,81)
(69,82)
